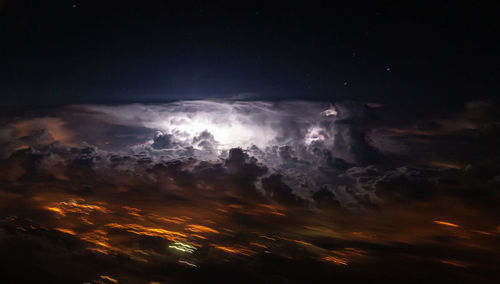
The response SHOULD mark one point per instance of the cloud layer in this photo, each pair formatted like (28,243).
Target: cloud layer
(207,185)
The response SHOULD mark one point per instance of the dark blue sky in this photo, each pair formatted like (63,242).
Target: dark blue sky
(60,52)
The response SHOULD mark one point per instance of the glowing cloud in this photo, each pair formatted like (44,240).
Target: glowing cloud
(224,124)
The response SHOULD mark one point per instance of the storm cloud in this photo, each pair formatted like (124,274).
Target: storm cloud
(336,183)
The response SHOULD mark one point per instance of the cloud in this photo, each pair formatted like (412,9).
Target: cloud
(302,149)
(164,141)
(145,186)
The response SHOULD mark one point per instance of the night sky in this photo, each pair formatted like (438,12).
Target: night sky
(249,142)
(127,51)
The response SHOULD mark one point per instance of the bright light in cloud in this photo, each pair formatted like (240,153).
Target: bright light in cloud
(230,124)
(230,129)
(314,134)
(332,111)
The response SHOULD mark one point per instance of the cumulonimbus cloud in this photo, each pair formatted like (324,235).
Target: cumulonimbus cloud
(309,147)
